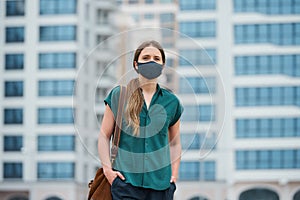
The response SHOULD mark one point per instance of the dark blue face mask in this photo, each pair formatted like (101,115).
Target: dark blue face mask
(149,70)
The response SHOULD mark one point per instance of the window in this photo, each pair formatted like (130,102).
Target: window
(102,16)
(198,85)
(270,7)
(48,7)
(149,1)
(267,159)
(56,143)
(13,88)
(207,113)
(56,88)
(209,170)
(57,33)
(14,61)
(277,34)
(190,141)
(56,170)
(196,57)
(15,8)
(57,61)
(196,29)
(268,96)
(191,113)
(259,193)
(14,34)
(189,171)
(167,18)
(12,170)
(197,5)
(13,116)
(55,116)
(195,171)
(13,143)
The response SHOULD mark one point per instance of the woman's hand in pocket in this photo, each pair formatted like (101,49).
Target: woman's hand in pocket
(111,175)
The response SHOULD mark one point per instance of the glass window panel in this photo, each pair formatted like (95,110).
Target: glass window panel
(276,159)
(207,113)
(286,7)
(209,169)
(288,96)
(13,143)
(274,7)
(191,113)
(55,115)
(251,64)
(14,34)
(13,116)
(240,128)
(275,34)
(264,96)
(250,5)
(14,61)
(12,170)
(239,65)
(56,88)
(189,171)
(264,65)
(287,30)
(58,33)
(288,128)
(288,159)
(48,7)
(56,143)
(277,126)
(239,34)
(264,160)
(61,170)
(252,97)
(252,159)
(262,6)
(190,141)
(276,94)
(276,63)
(240,160)
(13,88)
(252,129)
(251,34)
(265,129)
(15,8)
(288,65)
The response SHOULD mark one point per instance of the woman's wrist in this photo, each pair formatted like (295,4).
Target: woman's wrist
(173,179)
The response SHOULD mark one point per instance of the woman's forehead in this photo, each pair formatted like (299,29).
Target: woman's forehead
(151,50)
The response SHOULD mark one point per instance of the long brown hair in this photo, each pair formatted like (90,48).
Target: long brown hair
(134,93)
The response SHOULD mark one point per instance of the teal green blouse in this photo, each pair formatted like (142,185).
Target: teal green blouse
(144,160)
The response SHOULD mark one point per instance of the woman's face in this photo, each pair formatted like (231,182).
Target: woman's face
(150,54)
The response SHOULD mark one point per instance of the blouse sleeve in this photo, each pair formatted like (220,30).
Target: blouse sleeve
(179,110)
(112,99)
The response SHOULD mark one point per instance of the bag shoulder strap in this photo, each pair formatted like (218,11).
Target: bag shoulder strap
(118,125)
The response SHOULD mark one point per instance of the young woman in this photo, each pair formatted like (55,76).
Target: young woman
(147,163)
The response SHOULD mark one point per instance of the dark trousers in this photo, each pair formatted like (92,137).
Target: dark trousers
(125,191)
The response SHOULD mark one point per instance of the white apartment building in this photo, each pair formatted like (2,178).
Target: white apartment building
(47,130)
(237,66)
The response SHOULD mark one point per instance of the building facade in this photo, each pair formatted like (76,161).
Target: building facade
(254,46)
(234,64)
(48,76)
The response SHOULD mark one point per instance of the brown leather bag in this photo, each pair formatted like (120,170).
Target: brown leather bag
(99,186)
